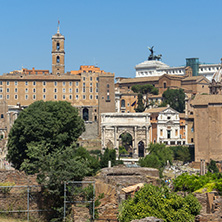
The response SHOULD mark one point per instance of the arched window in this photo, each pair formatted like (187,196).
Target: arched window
(57,59)
(164,85)
(85,114)
(58,46)
(123,103)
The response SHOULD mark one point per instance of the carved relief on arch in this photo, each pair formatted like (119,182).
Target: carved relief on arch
(109,144)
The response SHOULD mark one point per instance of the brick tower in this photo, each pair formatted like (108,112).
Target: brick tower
(58,53)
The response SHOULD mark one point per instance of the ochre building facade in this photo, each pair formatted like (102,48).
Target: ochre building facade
(89,89)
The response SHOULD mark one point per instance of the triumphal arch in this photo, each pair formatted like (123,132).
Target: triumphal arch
(138,125)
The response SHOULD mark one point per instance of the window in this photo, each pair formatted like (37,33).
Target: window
(164,85)
(191,140)
(34,83)
(26,97)
(107,97)
(2,116)
(97,90)
(63,83)
(168,117)
(70,83)
(55,96)
(44,96)
(57,59)
(77,83)
(1,83)
(77,90)
(43,83)
(70,90)
(91,84)
(91,89)
(63,97)
(84,84)
(97,84)
(91,97)
(97,78)
(122,103)
(1,90)
(34,90)
(70,96)
(85,114)
(16,96)
(107,86)
(7,83)
(84,78)
(97,97)
(176,132)
(34,97)
(44,90)
(55,90)
(26,83)
(77,96)
(7,96)
(84,89)
(1,96)
(55,83)
(168,134)
(84,97)
(91,78)
(57,46)
(16,83)
(16,90)
(26,90)
(64,90)
(161,132)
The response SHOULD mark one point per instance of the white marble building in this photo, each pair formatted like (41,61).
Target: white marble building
(168,127)
(158,68)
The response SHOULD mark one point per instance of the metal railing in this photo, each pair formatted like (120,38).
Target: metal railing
(28,210)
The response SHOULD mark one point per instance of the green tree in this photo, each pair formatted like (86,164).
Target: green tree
(143,90)
(56,168)
(51,124)
(175,98)
(109,154)
(140,104)
(182,153)
(213,167)
(158,156)
(161,203)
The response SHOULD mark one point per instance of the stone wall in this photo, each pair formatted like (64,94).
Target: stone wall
(17,177)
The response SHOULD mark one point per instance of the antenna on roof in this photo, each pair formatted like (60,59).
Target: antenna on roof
(58,26)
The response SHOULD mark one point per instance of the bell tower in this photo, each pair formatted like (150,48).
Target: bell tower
(58,53)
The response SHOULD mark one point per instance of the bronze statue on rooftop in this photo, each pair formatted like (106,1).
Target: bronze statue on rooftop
(152,56)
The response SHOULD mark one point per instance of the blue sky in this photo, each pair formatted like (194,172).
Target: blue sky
(113,34)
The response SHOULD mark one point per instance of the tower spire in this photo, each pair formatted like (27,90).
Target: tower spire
(58,26)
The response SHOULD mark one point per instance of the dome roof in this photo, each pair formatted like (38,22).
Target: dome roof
(217,76)
(152,64)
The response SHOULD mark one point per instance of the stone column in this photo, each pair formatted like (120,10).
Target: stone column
(115,142)
(135,142)
(186,131)
(103,136)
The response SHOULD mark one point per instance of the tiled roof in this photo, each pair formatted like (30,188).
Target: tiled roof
(155,110)
(206,99)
